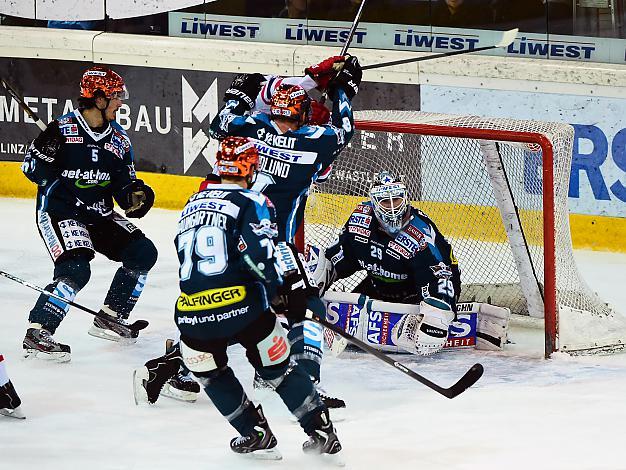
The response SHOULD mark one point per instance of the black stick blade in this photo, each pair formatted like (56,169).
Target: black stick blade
(470,378)
(138,325)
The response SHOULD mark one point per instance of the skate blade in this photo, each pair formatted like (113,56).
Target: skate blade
(103,333)
(335,460)
(139,392)
(180,395)
(47,356)
(13,413)
(264,454)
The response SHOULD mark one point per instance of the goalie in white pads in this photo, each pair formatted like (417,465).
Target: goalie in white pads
(406,259)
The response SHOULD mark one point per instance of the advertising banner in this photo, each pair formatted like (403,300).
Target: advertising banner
(419,38)
(598,174)
(167,115)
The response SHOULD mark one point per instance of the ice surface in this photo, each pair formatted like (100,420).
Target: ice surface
(525,413)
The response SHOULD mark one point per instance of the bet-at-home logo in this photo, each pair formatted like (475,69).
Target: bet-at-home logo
(196,111)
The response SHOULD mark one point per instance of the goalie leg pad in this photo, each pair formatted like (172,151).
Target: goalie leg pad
(492,328)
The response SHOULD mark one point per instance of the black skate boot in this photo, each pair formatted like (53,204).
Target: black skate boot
(332,403)
(182,386)
(113,329)
(148,381)
(260,443)
(38,342)
(323,439)
(10,402)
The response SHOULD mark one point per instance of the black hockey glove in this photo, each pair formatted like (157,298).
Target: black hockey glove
(244,90)
(348,79)
(291,298)
(136,199)
(47,144)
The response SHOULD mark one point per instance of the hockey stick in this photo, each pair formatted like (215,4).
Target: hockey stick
(469,379)
(136,326)
(355,23)
(507,38)
(40,124)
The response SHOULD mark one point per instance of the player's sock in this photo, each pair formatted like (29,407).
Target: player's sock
(39,342)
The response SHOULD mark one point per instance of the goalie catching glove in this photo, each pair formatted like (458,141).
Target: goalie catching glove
(136,198)
(428,336)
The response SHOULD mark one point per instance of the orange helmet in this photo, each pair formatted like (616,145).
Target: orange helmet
(290,102)
(237,157)
(106,80)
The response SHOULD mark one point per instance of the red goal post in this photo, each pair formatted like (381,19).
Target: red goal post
(470,174)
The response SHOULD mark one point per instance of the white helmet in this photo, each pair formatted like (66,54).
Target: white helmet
(390,201)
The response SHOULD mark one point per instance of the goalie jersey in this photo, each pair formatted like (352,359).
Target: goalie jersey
(290,162)
(90,169)
(415,263)
(225,250)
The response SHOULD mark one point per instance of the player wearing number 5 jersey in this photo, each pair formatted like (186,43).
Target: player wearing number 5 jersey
(81,162)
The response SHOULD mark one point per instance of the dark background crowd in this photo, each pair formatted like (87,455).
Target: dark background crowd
(601,18)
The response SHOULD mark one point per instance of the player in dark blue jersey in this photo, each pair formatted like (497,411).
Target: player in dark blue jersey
(81,163)
(293,154)
(405,258)
(228,276)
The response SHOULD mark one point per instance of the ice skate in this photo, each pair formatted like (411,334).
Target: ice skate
(10,402)
(181,387)
(149,380)
(39,343)
(113,329)
(260,443)
(336,406)
(323,440)
(262,389)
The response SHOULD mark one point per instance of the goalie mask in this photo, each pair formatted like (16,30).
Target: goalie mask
(290,102)
(390,202)
(237,158)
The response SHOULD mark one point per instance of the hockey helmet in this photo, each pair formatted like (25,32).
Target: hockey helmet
(237,157)
(390,202)
(290,102)
(106,80)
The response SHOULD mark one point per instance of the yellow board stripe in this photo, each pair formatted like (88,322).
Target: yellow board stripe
(172,191)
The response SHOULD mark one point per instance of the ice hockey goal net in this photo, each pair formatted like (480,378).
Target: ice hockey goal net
(497,189)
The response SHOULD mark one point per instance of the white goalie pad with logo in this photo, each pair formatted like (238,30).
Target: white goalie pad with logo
(477,324)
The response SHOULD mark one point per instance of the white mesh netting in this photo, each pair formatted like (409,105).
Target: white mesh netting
(447,178)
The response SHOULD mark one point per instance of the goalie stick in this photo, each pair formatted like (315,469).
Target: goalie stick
(507,38)
(469,378)
(135,326)
(40,124)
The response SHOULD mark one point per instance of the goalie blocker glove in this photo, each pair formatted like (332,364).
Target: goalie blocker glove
(348,79)
(47,144)
(136,199)
(243,92)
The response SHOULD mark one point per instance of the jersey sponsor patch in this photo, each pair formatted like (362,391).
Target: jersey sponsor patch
(417,235)
(242,245)
(360,239)
(363,209)
(69,129)
(73,140)
(208,204)
(399,249)
(393,254)
(274,349)
(410,243)
(211,298)
(360,230)
(441,270)
(65,120)
(290,156)
(213,317)
(360,219)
